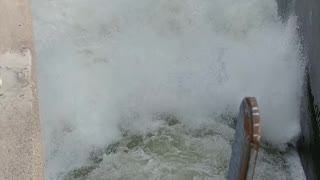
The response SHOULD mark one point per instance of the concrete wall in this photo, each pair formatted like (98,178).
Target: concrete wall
(20,140)
(308,14)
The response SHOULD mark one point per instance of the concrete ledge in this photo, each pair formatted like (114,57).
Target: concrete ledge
(20,140)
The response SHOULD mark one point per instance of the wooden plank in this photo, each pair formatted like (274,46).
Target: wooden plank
(246,141)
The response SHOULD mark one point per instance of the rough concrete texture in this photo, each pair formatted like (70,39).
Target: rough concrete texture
(20,140)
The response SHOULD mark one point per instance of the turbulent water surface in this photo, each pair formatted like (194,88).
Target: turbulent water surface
(149,89)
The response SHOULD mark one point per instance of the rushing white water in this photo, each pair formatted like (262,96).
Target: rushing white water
(109,67)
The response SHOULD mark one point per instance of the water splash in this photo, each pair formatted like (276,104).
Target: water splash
(111,65)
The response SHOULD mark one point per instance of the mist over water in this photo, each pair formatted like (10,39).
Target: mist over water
(109,66)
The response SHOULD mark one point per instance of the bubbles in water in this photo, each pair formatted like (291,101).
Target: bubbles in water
(111,65)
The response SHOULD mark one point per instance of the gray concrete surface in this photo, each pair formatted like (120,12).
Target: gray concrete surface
(20,140)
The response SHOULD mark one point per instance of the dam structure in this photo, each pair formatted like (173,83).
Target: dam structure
(149,89)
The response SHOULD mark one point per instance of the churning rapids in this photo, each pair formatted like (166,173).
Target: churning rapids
(150,89)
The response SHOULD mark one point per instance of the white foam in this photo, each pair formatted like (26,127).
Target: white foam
(106,64)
